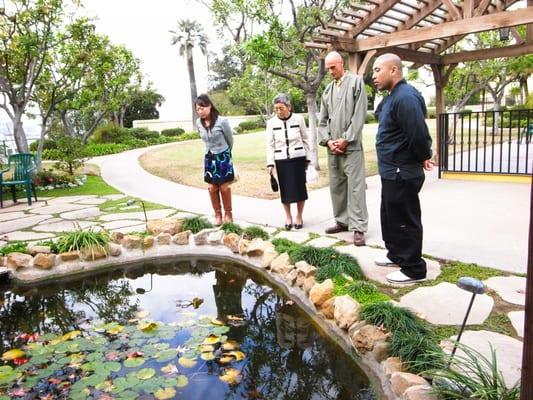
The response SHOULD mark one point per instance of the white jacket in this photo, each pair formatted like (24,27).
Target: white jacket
(286,139)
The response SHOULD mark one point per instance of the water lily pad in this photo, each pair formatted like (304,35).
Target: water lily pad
(12,354)
(166,355)
(220,330)
(207,356)
(187,362)
(165,393)
(239,355)
(70,335)
(128,395)
(226,359)
(170,369)
(7,374)
(147,326)
(211,339)
(206,347)
(134,362)
(145,373)
(182,381)
(112,366)
(231,376)
(230,345)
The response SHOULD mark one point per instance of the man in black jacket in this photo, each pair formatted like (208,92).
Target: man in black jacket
(403,146)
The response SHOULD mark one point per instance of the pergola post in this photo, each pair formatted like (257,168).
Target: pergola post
(354,62)
(526,383)
(439,78)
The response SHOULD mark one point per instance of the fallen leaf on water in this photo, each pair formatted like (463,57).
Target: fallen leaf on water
(170,369)
(147,326)
(166,393)
(197,302)
(186,362)
(230,345)
(239,355)
(12,354)
(211,339)
(231,376)
(70,335)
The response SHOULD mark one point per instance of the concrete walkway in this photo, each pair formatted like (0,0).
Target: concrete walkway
(478,222)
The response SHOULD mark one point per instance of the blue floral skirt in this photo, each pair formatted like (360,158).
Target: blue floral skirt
(218,168)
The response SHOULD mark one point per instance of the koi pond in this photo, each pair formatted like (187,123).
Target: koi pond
(193,330)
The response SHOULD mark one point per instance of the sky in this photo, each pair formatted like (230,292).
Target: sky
(143,27)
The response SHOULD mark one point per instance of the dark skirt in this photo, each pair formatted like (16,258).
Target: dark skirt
(291,177)
(218,168)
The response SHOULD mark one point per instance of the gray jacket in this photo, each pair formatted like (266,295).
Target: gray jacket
(217,138)
(343,111)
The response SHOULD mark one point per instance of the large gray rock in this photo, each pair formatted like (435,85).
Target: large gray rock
(510,288)
(148,241)
(269,255)
(419,392)
(114,249)
(392,365)
(280,263)
(164,225)
(44,260)
(364,338)
(35,249)
(131,242)
(401,381)
(182,238)
(304,269)
(164,239)
(346,311)
(321,292)
(231,241)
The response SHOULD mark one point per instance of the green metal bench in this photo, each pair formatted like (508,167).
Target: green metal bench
(22,166)
(527,133)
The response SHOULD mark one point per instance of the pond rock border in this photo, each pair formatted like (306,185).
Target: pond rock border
(337,316)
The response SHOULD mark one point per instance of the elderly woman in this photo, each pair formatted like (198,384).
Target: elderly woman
(287,148)
(217,135)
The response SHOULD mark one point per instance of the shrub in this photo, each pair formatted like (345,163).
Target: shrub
(251,125)
(370,117)
(173,132)
(80,239)
(101,149)
(109,133)
(365,292)
(188,136)
(51,178)
(142,133)
(70,153)
(395,319)
(431,113)
(285,246)
(418,351)
(54,247)
(195,224)
(253,232)
(17,246)
(48,144)
(230,227)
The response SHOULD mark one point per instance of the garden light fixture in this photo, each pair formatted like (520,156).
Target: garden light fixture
(133,201)
(142,290)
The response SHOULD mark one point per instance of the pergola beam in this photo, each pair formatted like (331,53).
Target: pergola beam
(485,54)
(444,30)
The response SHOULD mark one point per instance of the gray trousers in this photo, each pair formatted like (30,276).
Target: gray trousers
(347,188)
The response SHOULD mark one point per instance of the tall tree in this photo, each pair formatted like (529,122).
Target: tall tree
(27,35)
(188,35)
(143,105)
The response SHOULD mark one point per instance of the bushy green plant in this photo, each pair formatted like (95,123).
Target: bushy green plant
(283,245)
(470,375)
(253,232)
(82,239)
(51,178)
(393,318)
(48,144)
(142,133)
(230,227)
(188,136)
(330,263)
(101,149)
(195,224)
(109,133)
(173,132)
(252,124)
(418,351)
(17,246)
(370,117)
(365,292)
(69,153)
(54,247)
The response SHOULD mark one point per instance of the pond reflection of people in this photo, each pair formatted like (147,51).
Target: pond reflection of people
(228,290)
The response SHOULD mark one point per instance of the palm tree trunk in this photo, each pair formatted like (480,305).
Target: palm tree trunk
(192,84)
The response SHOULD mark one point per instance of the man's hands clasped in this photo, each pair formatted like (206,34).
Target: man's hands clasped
(337,146)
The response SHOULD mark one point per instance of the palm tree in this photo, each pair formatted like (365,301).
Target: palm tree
(189,34)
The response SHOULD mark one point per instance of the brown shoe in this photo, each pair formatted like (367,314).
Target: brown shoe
(338,227)
(358,238)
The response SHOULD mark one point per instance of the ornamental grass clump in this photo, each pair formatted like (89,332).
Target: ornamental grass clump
(231,227)
(196,224)
(365,292)
(285,246)
(83,239)
(470,375)
(253,232)
(330,263)
(17,246)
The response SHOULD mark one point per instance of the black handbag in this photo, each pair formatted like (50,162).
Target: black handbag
(274,183)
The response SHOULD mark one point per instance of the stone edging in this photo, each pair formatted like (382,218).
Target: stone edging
(337,316)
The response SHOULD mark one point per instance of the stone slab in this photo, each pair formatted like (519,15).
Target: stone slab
(63,226)
(93,201)
(21,223)
(9,216)
(84,213)
(9,206)
(446,304)
(28,235)
(183,215)
(294,236)
(114,196)
(152,214)
(58,208)
(323,241)
(132,228)
(366,255)
(517,319)
(510,288)
(508,351)
(122,223)
(70,199)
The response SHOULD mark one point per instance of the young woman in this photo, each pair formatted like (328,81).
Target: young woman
(217,135)
(287,148)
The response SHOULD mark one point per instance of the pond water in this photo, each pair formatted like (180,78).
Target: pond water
(173,330)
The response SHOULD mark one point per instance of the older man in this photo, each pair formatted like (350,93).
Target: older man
(342,116)
(403,147)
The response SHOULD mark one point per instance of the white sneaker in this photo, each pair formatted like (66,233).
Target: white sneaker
(384,261)
(400,277)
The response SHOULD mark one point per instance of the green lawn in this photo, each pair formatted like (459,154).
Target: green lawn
(182,162)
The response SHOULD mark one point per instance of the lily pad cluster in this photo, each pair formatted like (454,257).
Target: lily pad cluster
(114,361)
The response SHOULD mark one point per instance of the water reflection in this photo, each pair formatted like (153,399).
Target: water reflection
(286,358)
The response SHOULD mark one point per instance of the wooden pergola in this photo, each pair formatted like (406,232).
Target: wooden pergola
(423,32)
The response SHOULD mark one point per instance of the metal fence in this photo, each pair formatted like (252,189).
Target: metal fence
(486,142)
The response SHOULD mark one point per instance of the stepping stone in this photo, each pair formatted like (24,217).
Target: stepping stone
(517,319)
(323,241)
(510,288)
(8,216)
(114,225)
(129,229)
(82,214)
(446,304)
(21,223)
(9,206)
(28,235)
(63,226)
(153,214)
(93,201)
(294,236)
(366,255)
(183,215)
(70,199)
(114,196)
(58,208)
(508,351)
(268,229)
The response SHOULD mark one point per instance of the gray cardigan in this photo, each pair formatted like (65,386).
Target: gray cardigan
(218,137)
